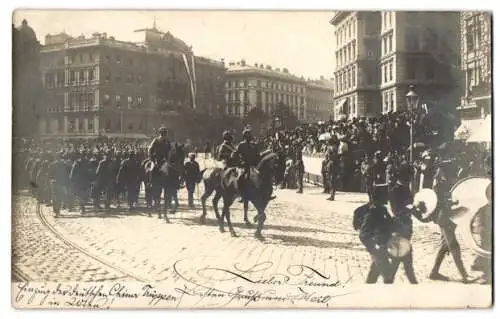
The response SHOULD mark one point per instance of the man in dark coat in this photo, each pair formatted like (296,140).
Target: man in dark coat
(80,180)
(192,177)
(105,181)
(374,224)
(324,173)
(332,171)
(129,175)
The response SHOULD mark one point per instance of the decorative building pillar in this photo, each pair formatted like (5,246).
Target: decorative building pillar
(96,98)
(96,124)
(41,126)
(65,123)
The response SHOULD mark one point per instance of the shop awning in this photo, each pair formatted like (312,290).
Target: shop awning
(483,134)
(468,128)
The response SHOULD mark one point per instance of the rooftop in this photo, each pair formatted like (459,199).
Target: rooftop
(321,83)
(240,67)
(338,16)
(62,41)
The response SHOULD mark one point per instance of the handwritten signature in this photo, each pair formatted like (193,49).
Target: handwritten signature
(208,287)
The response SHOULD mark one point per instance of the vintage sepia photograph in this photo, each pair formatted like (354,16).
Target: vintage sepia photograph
(251,159)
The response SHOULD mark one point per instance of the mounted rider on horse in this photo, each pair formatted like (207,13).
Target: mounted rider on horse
(159,149)
(248,154)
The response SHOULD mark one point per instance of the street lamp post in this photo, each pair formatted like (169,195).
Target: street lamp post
(412,100)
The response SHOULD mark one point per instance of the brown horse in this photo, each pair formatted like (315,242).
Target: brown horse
(256,189)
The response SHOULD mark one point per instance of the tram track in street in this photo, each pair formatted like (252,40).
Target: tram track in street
(61,237)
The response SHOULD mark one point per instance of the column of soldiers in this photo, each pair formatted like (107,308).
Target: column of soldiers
(72,177)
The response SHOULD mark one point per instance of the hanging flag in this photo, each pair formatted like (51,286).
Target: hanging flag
(188,72)
(194,72)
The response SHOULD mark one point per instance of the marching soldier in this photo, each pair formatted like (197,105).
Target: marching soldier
(129,176)
(105,181)
(374,224)
(192,177)
(443,181)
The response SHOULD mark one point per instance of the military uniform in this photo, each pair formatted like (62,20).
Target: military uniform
(159,150)
(374,224)
(192,177)
(443,181)
(129,176)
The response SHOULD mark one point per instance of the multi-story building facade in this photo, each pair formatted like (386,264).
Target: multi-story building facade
(263,87)
(418,48)
(100,85)
(356,57)
(27,85)
(319,100)
(379,54)
(475,36)
(210,80)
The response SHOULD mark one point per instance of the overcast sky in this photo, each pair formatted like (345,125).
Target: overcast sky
(303,42)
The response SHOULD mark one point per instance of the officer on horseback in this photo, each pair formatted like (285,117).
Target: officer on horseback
(159,149)
(226,149)
(249,156)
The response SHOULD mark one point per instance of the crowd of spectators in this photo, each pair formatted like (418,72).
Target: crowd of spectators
(358,142)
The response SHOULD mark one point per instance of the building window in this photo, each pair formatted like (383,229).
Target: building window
(72,76)
(390,71)
(118,101)
(106,99)
(384,79)
(91,74)
(353,76)
(369,78)
(140,100)
(129,78)
(90,125)
(108,124)
(80,125)
(129,101)
(429,70)
(118,59)
(130,126)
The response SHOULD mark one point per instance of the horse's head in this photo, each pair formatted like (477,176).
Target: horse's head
(268,164)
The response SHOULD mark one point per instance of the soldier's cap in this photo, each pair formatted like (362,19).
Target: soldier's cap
(192,155)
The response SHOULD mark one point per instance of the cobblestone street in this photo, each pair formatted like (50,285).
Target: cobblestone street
(300,229)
